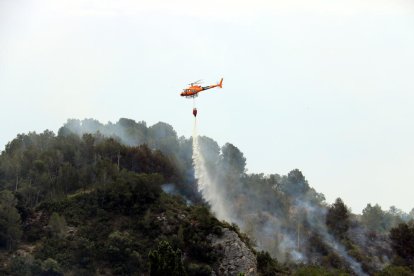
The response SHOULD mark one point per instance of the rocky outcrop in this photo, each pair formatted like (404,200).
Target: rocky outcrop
(236,256)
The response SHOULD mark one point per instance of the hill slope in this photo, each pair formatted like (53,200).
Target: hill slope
(116,198)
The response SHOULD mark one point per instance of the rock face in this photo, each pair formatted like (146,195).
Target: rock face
(237,257)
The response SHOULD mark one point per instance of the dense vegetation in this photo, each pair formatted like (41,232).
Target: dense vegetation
(91,200)
(92,205)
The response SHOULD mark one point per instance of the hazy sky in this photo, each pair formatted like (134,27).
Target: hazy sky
(325,86)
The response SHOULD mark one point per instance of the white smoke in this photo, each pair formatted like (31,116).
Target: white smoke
(315,216)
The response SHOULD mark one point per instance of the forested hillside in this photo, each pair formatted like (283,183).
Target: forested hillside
(122,199)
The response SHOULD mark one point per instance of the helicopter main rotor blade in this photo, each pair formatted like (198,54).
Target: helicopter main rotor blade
(195,82)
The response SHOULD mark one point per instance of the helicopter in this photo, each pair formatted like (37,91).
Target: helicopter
(195,88)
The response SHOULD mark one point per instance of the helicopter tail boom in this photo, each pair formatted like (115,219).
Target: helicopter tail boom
(221,83)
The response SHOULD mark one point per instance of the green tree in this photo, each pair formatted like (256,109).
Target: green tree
(163,137)
(373,217)
(233,160)
(295,184)
(51,267)
(10,227)
(402,241)
(266,265)
(232,166)
(337,219)
(57,224)
(121,253)
(166,261)
(22,265)
(394,217)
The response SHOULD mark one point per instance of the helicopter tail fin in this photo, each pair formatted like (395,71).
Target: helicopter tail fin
(221,83)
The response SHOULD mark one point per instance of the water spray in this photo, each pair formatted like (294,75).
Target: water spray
(206,184)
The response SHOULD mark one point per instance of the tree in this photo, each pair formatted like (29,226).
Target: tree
(295,184)
(395,216)
(232,166)
(57,224)
(233,160)
(163,137)
(210,151)
(266,265)
(166,261)
(51,267)
(121,253)
(337,219)
(10,228)
(22,265)
(402,241)
(373,217)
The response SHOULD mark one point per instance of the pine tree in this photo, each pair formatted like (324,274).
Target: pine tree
(337,219)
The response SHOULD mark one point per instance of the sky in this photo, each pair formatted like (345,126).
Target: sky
(325,86)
